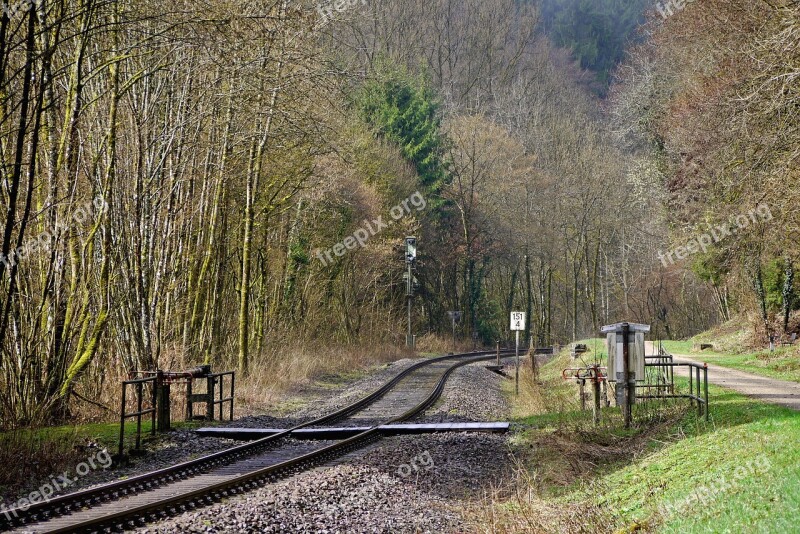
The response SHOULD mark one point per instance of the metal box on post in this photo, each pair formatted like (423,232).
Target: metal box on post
(626,362)
(614,335)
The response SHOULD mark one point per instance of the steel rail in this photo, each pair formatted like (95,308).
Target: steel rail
(68,503)
(134,517)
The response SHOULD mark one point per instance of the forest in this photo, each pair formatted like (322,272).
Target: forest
(172,174)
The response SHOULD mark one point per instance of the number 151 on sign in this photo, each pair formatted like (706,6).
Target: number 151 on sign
(517,321)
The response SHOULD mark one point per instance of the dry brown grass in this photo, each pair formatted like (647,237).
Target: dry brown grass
(273,374)
(744,334)
(442,344)
(548,394)
(519,507)
(284,371)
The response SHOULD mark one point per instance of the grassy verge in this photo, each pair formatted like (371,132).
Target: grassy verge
(742,469)
(673,472)
(31,455)
(783,364)
(283,382)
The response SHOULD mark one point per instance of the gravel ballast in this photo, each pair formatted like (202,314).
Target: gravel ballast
(400,484)
(405,484)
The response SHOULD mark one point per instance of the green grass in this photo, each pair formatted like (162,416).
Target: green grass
(673,474)
(745,463)
(103,433)
(597,351)
(339,380)
(34,455)
(783,364)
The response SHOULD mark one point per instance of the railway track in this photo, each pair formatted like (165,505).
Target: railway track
(133,502)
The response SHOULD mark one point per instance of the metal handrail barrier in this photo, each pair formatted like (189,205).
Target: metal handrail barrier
(698,392)
(139,385)
(221,401)
(665,376)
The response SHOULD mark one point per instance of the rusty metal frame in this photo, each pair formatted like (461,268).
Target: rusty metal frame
(139,384)
(221,401)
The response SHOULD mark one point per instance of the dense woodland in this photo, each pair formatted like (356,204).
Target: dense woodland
(172,173)
(596,32)
(710,101)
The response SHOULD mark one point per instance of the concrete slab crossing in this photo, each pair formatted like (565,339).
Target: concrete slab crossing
(346,432)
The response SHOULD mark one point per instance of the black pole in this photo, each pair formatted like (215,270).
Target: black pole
(705,379)
(233,392)
(139,400)
(628,391)
(122,422)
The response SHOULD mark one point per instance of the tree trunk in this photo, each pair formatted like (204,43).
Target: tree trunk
(528,299)
(788,292)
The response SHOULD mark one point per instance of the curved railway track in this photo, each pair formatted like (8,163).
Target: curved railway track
(151,496)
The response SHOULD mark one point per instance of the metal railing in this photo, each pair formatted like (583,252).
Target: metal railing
(664,366)
(596,375)
(139,384)
(160,409)
(221,401)
(214,396)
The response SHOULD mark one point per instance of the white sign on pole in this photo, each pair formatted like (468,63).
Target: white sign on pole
(517,321)
(517,325)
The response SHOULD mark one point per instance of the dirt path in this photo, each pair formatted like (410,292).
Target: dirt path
(766,389)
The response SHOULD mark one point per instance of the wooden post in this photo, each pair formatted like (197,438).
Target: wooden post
(596,394)
(582,389)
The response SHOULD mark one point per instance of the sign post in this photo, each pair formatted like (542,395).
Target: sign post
(517,325)
(455,318)
(411,258)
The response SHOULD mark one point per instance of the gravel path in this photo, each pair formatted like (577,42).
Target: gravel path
(472,394)
(401,484)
